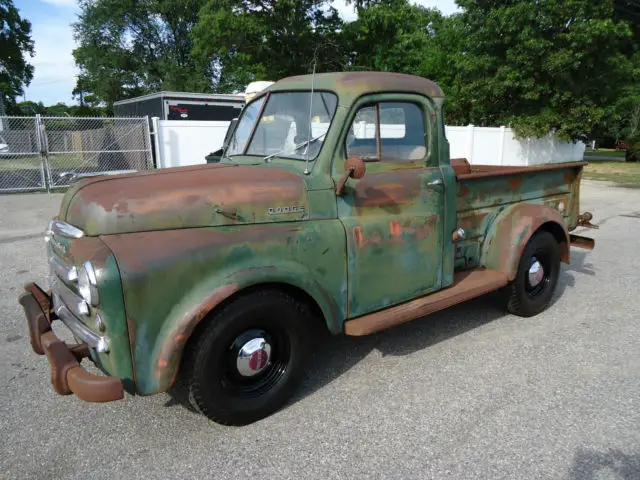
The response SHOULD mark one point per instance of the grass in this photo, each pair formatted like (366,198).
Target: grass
(68,161)
(619,172)
(604,152)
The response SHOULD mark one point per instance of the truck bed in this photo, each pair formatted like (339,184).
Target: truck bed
(465,171)
(483,191)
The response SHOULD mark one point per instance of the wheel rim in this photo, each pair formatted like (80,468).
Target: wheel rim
(537,278)
(255,362)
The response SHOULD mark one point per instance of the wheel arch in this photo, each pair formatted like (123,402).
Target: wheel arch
(512,230)
(176,335)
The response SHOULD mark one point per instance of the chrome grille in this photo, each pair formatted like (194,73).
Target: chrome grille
(74,302)
(67,273)
(68,304)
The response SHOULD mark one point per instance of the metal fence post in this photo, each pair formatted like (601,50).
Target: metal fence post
(156,142)
(147,132)
(43,173)
(43,145)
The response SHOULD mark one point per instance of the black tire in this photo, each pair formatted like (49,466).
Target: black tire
(210,375)
(524,298)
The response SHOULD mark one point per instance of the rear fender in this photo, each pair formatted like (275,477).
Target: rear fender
(511,231)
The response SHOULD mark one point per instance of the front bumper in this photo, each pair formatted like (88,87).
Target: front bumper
(67,375)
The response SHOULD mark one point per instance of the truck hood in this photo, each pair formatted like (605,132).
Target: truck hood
(185,197)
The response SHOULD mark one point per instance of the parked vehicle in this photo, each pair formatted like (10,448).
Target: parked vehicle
(621,146)
(334,206)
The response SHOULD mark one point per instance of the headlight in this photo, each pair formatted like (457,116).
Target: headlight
(88,284)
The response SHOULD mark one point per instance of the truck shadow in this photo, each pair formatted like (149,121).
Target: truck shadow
(590,465)
(334,356)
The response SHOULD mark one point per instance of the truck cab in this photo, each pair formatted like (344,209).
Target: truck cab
(334,205)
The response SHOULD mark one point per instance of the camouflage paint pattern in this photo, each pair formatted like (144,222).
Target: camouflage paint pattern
(174,244)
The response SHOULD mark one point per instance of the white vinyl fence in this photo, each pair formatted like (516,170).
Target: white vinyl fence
(180,143)
(499,146)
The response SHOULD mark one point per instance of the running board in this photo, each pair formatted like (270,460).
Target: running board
(466,285)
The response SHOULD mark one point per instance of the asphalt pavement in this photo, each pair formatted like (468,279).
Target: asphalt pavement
(468,393)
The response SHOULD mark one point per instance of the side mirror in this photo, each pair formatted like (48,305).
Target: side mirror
(354,168)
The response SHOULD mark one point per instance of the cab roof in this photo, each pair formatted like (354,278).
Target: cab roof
(354,84)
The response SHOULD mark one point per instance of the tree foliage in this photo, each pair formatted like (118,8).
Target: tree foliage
(15,44)
(127,48)
(570,66)
(29,108)
(543,65)
(251,40)
(396,36)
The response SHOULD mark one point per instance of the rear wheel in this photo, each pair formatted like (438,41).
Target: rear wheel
(249,358)
(537,277)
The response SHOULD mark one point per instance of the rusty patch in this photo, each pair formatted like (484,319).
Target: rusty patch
(570,177)
(482,171)
(171,350)
(515,183)
(467,285)
(359,83)
(511,234)
(464,190)
(461,166)
(187,197)
(472,224)
(358,237)
(388,189)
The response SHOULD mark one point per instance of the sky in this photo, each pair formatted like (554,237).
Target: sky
(55,70)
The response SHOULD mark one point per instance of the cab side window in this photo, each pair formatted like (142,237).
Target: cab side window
(390,132)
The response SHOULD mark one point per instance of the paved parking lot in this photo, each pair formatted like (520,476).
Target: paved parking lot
(471,392)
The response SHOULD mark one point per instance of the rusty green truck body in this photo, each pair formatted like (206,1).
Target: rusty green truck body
(161,252)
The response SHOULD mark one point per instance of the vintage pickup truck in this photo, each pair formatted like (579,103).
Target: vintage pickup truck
(335,205)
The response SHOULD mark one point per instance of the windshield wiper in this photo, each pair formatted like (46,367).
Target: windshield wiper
(296,147)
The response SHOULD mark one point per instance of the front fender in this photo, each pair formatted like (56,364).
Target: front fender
(181,323)
(511,230)
(173,279)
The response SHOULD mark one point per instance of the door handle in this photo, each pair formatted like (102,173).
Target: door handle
(435,182)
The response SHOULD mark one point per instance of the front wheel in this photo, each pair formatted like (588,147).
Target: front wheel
(249,358)
(537,277)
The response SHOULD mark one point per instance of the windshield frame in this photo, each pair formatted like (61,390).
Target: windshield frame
(265,97)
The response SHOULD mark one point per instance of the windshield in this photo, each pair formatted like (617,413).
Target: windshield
(283,128)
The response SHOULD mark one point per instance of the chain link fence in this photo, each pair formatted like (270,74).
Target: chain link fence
(21,166)
(45,153)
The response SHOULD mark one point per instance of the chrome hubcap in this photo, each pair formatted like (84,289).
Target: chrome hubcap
(536,273)
(253,357)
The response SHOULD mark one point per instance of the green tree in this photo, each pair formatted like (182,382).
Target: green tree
(397,36)
(128,48)
(15,44)
(249,40)
(544,65)
(29,108)
(60,109)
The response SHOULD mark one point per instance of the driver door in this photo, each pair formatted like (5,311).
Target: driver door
(393,216)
